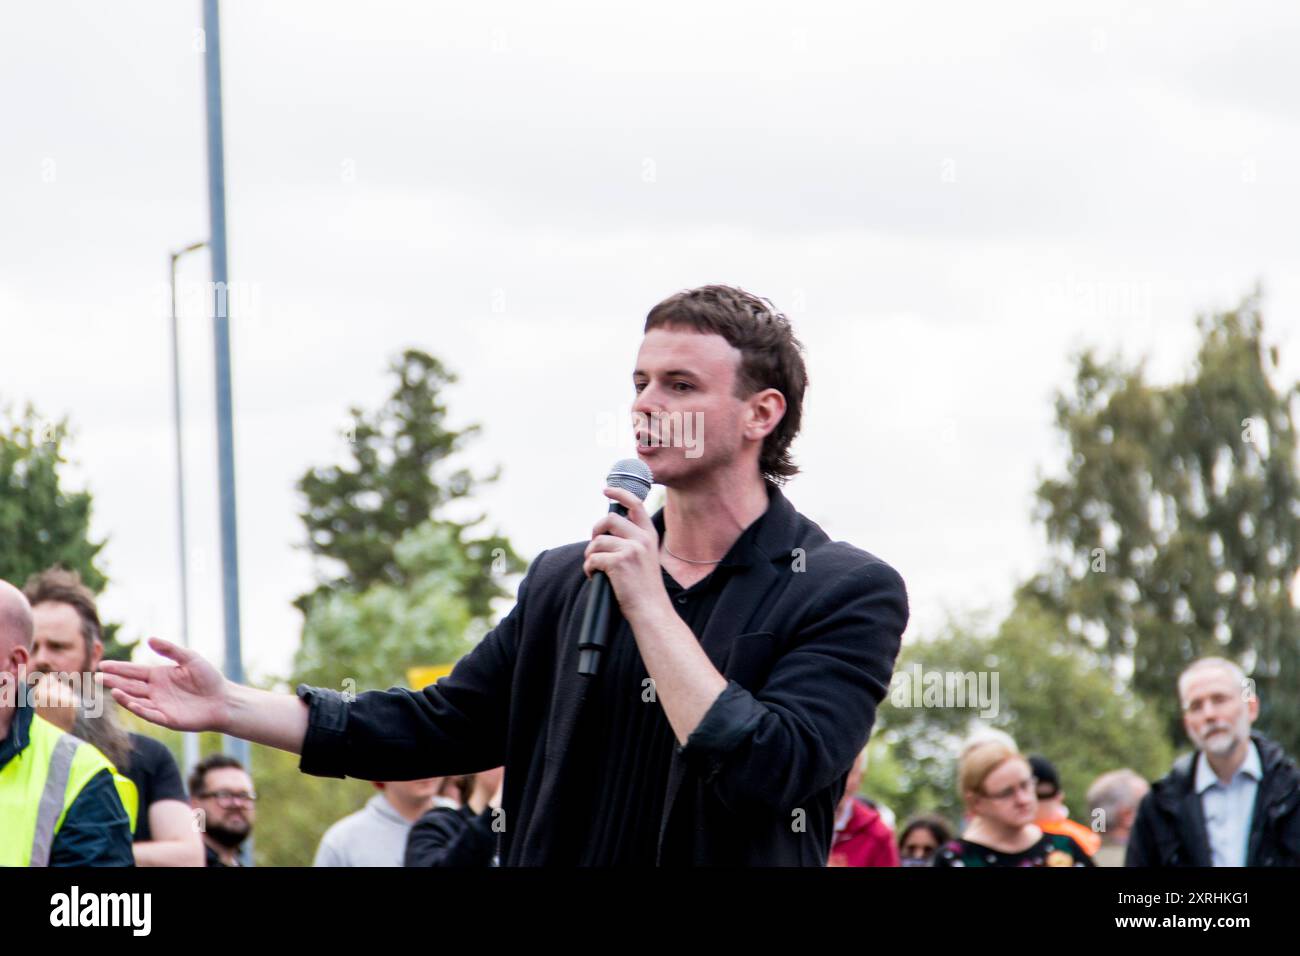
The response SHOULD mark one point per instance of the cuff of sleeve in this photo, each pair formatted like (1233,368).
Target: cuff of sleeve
(726,725)
(325,743)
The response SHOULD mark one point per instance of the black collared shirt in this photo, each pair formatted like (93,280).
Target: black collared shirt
(625,740)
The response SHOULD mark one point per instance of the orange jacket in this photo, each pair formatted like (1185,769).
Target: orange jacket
(1081,835)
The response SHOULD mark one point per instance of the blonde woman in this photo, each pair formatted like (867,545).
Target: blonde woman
(997,786)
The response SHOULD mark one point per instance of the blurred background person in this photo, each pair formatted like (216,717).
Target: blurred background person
(862,837)
(1231,802)
(921,837)
(464,833)
(980,736)
(68,640)
(86,823)
(1053,814)
(376,834)
(997,786)
(1113,801)
(223,791)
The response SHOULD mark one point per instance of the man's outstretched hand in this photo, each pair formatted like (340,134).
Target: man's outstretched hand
(190,695)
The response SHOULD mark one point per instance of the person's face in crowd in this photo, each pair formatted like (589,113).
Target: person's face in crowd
(1008,797)
(1217,710)
(687,417)
(59,646)
(227,801)
(919,845)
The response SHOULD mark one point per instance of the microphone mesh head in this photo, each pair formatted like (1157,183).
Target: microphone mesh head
(631,474)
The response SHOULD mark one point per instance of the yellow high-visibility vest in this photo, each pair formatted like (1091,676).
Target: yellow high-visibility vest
(38,786)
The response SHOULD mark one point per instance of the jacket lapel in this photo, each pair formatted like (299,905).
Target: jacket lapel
(1191,824)
(567,703)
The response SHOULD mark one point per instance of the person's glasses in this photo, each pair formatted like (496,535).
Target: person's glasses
(1027,785)
(229,798)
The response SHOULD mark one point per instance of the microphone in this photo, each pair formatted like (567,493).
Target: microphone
(630,474)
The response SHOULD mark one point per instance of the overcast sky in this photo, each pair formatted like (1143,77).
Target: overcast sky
(947,198)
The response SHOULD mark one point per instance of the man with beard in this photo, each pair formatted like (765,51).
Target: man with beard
(223,791)
(68,640)
(1236,800)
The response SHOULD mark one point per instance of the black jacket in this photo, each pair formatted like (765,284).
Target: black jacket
(1170,826)
(806,638)
(450,837)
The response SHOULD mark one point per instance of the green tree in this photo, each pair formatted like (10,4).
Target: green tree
(1049,695)
(41,523)
(372,637)
(1176,521)
(356,513)
(415,588)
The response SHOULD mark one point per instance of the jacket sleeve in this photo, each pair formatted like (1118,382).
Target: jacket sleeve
(96,830)
(1141,840)
(801,731)
(451,838)
(456,726)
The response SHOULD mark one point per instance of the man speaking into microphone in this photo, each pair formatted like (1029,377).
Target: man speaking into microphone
(741,671)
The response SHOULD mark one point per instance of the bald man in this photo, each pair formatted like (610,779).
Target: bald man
(60,776)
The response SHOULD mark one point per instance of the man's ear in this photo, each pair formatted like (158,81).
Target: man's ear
(766,409)
(96,655)
(18,662)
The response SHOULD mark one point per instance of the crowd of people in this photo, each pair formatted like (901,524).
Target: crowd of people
(740,677)
(1233,801)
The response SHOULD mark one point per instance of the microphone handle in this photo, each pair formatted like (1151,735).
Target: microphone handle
(594,634)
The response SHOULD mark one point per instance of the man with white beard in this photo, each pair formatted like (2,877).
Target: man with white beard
(1236,800)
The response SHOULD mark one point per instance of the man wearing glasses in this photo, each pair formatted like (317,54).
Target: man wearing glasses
(223,792)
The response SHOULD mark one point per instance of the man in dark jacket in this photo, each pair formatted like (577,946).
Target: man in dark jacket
(740,684)
(455,834)
(1235,801)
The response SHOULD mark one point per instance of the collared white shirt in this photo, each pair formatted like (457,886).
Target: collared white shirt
(1228,808)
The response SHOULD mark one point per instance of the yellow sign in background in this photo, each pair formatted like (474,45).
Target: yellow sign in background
(419,677)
